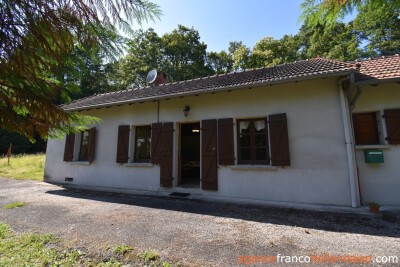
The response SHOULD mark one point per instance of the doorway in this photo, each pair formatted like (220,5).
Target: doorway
(190,155)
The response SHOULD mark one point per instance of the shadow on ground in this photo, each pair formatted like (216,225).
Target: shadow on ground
(385,225)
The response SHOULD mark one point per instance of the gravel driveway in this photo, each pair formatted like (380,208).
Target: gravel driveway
(197,233)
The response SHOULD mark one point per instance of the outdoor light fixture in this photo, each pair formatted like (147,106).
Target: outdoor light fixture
(186,111)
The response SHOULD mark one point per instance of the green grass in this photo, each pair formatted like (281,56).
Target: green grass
(33,249)
(14,205)
(29,167)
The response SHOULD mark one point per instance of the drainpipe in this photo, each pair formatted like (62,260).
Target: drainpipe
(351,158)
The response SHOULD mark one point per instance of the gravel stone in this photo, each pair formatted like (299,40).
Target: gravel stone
(196,233)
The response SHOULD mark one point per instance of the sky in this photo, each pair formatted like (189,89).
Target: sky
(222,21)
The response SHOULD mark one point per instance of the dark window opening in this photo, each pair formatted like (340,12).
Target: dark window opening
(142,144)
(84,146)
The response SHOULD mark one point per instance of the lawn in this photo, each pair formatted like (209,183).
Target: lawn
(33,249)
(23,167)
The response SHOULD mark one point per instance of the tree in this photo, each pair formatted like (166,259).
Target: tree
(338,41)
(330,11)
(379,27)
(220,62)
(269,51)
(180,54)
(184,55)
(145,52)
(37,42)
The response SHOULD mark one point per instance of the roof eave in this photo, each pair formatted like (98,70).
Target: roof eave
(214,90)
(378,81)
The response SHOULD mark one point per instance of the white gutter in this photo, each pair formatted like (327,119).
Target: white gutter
(351,157)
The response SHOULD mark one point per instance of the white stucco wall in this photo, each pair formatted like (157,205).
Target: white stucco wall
(318,173)
(379,182)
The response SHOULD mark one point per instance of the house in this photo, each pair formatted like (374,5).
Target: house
(278,135)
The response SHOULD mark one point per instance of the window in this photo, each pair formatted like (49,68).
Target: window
(392,117)
(80,147)
(135,144)
(253,141)
(366,128)
(142,143)
(84,146)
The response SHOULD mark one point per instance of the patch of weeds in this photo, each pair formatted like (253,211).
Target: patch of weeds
(122,249)
(149,256)
(3,230)
(14,205)
(112,262)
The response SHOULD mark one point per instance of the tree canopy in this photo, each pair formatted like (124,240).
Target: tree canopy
(38,41)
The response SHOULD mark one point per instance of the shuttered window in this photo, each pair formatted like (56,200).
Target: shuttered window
(142,143)
(365,128)
(263,141)
(123,144)
(86,146)
(392,117)
(253,141)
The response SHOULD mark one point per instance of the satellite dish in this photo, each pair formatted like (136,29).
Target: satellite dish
(151,76)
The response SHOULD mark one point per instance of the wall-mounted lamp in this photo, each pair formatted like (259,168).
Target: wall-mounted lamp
(186,111)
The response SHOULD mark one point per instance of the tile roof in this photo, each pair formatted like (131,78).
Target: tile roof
(304,69)
(385,67)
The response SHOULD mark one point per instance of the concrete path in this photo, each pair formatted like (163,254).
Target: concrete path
(198,233)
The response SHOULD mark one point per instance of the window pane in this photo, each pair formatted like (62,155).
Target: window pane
(83,150)
(259,126)
(260,140)
(244,140)
(261,154)
(142,144)
(245,154)
(244,127)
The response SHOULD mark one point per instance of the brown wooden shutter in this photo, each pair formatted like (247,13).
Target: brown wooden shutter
(226,154)
(155,142)
(392,117)
(209,171)
(279,140)
(365,128)
(69,147)
(166,154)
(123,144)
(91,144)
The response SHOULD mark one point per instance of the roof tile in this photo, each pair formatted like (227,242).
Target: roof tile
(311,68)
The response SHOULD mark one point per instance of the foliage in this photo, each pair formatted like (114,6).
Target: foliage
(149,256)
(338,41)
(379,27)
(23,167)
(330,11)
(20,144)
(180,54)
(14,205)
(220,62)
(122,249)
(32,249)
(37,42)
